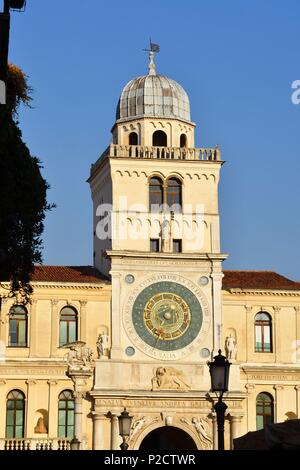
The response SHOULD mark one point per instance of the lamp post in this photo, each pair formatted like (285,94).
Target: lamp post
(4,41)
(124,428)
(75,444)
(219,373)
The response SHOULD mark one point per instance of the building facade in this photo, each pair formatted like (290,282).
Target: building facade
(136,330)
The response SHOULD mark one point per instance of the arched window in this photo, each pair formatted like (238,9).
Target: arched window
(66,408)
(15,414)
(155,194)
(67,326)
(18,319)
(183,140)
(133,138)
(264,410)
(263,332)
(174,196)
(159,139)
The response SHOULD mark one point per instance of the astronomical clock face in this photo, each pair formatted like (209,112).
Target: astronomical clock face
(167,316)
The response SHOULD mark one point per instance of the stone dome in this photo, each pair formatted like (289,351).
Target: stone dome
(153,96)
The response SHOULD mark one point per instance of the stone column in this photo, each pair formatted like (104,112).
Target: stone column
(296,351)
(277,330)
(235,421)
(249,332)
(30,409)
(33,337)
(115,438)
(213,417)
(54,328)
(78,415)
(80,370)
(52,409)
(4,321)
(98,431)
(83,304)
(279,399)
(217,310)
(251,407)
(297,388)
(116,350)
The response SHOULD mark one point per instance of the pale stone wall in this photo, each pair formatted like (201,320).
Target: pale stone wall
(277,372)
(145,128)
(39,370)
(198,225)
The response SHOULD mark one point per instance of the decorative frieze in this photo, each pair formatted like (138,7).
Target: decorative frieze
(109,403)
(17,370)
(274,377)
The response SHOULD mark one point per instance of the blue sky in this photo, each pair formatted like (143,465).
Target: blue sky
(237,61)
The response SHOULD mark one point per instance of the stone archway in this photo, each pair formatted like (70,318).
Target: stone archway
(168,438)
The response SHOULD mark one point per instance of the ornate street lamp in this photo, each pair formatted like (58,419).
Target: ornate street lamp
(75,444)
(4,41)
(219,373)
(124,428)
(16,4)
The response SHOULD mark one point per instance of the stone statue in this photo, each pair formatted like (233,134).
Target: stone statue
(137,425)
(200,428)
(166,236)
(102,345)
(199,425)
(40,427)
(79,356)
(168,378)
(230,347)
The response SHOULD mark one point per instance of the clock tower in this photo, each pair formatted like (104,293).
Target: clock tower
(156,233)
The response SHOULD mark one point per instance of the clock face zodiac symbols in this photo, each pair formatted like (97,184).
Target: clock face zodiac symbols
(167,316)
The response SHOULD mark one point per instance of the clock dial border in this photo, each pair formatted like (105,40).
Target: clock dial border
(138,341)
(155,338)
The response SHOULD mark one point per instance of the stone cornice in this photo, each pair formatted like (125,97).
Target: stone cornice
(270,369)
(69,285)
(156,256)
(267,292)
(162,395)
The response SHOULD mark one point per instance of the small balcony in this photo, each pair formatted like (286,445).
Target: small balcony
(162,153)
(35,444)
(168,153)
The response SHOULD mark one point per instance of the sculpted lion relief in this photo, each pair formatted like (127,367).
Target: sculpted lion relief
(169,378)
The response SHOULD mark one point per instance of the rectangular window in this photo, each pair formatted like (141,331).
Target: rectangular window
(63,333)
(156,200)
(154,245)
(267,339)
(72,332)
(22,334)
(259,422)
(13,340)
(258,338)
(177,246)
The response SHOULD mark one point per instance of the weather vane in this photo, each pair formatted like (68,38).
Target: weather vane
(153,48)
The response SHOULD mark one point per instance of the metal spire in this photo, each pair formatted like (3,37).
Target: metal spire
(151,66)
(153,48)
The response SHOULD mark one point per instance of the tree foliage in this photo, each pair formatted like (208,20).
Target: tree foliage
(18,89)
(23,201)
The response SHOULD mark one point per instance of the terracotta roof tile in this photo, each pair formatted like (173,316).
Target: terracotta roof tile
(265,280)
(75,274)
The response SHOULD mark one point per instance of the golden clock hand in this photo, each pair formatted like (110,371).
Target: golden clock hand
(160,332)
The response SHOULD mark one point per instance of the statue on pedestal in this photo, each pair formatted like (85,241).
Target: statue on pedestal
(230,348)
(102,345)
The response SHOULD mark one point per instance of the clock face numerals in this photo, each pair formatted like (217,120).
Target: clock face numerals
(167,316)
